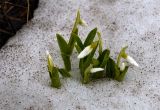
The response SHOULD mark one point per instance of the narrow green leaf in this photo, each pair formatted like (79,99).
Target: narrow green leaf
(103,58)
(71,43)
(78,49)
(62,44)
(67,62)
(78,41)
(122,74)
(64,73)
(112,70)
(65,53)
(117,71)
(98,75)
(122,54)
(54,76)
(90,37)
(87,74)
(76,31)
(100,43)
(81,67)
(95,62)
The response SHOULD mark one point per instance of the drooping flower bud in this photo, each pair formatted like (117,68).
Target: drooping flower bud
(94,70)
(85,52)
(132,61)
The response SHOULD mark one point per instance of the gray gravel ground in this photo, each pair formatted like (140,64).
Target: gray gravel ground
(24,80)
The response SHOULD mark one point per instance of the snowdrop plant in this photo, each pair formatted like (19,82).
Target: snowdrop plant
(118,70)
(67,48)
(54,72)
(91,67)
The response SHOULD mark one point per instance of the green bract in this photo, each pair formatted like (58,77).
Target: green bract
(122,54)
(91,67)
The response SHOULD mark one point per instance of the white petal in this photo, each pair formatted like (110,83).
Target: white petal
(94,70)
(122,66)
(85,52)
(132,61)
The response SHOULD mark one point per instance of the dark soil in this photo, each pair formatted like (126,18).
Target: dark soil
(13,15)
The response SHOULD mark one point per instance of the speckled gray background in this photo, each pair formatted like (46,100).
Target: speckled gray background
(24,80)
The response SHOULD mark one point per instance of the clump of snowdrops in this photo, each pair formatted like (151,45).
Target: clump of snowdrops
(91,68)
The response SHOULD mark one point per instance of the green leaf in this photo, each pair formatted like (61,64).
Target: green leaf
(81,67)
(62,44)
(97,75)
(87,74)
(67,62)
(122,74)
(71,43)
(112,70)
(122,54)
(90,37)
(88,59)
(65,53)
(78,49)
(103,58)
(64,73)
(95,62)
(78,41)
(100,43)
(76,31)
(54,76)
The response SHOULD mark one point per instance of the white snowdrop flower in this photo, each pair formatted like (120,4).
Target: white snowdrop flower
(122,66)
(131,60)
(87,50)
(94,70)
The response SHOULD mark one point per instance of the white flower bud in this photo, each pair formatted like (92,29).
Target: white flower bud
(94,70)
(50,61)
(122,66)
(132,61)
(87,50)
